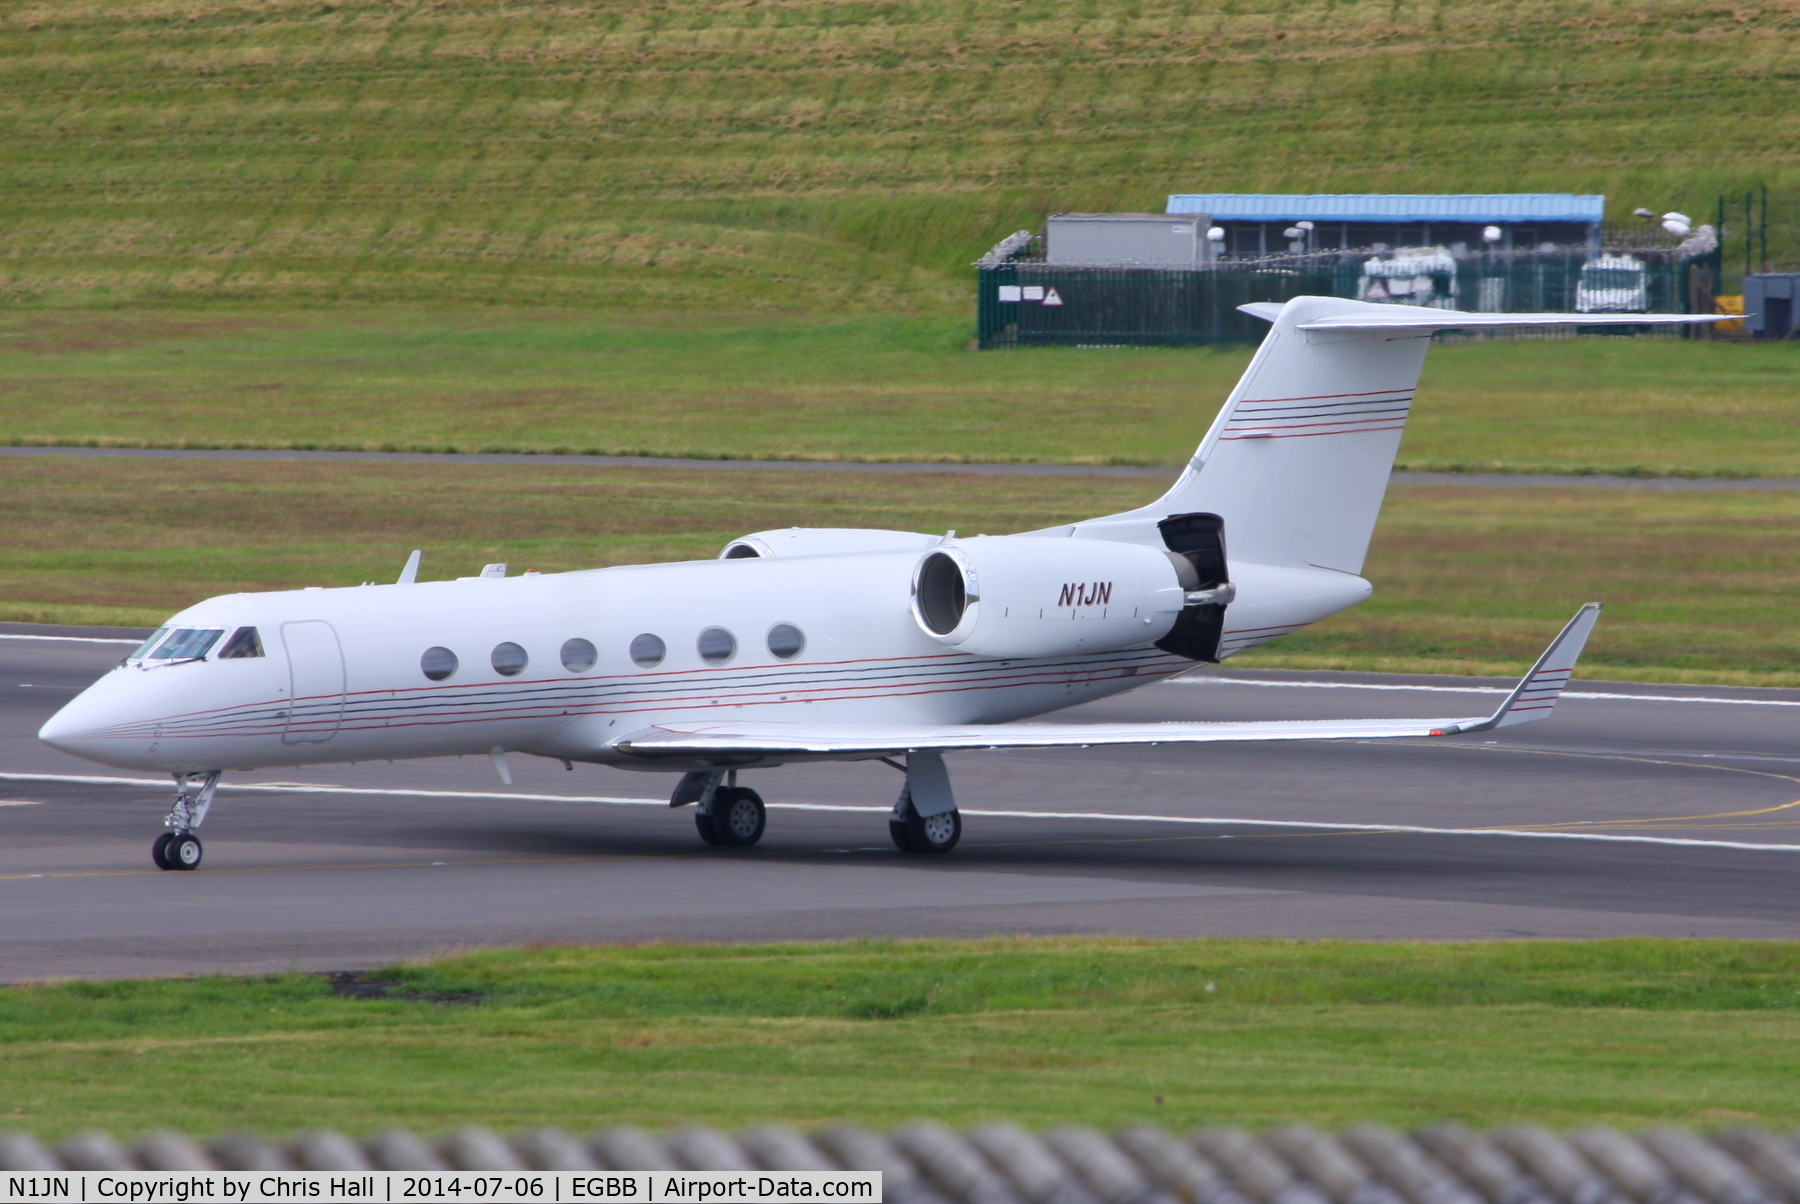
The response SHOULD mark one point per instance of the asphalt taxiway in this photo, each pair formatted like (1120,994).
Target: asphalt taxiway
(1636,810)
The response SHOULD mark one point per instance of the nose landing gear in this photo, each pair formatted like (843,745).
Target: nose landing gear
(179,848)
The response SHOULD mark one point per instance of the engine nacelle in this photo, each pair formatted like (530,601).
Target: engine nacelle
(1028,596)
(822,541)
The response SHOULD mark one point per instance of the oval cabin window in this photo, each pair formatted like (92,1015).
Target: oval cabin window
(509,660)
(438,663)
(647,651)
(786,640)
(578,655)
(716,645)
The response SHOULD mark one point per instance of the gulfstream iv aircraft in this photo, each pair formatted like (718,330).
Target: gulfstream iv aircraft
(807,645)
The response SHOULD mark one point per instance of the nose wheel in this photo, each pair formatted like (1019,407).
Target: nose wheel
(177,851)
(179,848)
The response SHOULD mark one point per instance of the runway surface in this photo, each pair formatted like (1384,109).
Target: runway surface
(1489,480)
(1636,810)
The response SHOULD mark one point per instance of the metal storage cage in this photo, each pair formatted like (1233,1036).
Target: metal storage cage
(1770,309)
(1110,239)
(1024,300)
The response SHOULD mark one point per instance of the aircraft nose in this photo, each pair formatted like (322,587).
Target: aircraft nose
(80,727)
(63,730)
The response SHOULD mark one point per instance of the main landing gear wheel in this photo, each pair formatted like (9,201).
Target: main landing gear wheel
(177,851)
(926,834)
(736,818)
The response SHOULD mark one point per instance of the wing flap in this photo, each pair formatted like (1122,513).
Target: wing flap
(877,739)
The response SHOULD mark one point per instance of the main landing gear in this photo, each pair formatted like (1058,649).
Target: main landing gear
(915,833)
(924,819)
(736,818)
(727,814)
(179,848)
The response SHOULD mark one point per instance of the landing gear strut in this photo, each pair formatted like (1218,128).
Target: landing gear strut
(179,848)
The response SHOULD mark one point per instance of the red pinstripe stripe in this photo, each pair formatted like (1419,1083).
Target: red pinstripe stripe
(1350,430)
(542,711)
(1266,401)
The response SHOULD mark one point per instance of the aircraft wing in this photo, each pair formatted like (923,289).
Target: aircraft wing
(1533,699)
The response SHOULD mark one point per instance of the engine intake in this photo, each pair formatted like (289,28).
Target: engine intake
(942,593)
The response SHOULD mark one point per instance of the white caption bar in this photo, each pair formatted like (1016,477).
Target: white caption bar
(544,1187)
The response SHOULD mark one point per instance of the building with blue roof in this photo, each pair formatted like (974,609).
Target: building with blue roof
(1259,223)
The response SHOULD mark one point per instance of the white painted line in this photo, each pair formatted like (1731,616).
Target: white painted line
(1411,829)
(69,639)
(21,802)
(1199,821)
(320,788)
(1353,685)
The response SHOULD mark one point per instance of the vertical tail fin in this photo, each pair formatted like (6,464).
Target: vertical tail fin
(1297,461)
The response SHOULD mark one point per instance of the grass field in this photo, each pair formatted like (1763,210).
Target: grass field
(850,388)
(1699,585)
(820,156)
(1103,1032)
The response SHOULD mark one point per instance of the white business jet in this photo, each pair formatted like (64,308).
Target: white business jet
(808,645)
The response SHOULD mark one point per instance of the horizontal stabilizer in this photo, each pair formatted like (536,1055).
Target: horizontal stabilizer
(1533,699)
(1268,311)
(1421,319)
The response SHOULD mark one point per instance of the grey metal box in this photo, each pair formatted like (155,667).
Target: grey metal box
(1770,309)
(1149,239)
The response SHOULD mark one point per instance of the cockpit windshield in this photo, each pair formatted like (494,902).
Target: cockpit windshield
(181,644)
(143,649)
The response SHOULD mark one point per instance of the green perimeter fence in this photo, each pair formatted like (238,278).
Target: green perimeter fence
(1029,303)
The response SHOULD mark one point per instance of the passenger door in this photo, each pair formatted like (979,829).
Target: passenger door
(316,681)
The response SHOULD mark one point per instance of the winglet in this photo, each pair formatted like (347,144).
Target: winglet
(410,574)
(1268,311)
(1535,697)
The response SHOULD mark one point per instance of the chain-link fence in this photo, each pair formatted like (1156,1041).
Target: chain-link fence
(1023,301)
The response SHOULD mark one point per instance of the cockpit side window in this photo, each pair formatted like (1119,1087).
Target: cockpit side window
(244,642)
(186,644)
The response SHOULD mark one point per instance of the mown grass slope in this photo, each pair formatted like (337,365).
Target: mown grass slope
(856,387)
(1103,1032)
(808,154)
